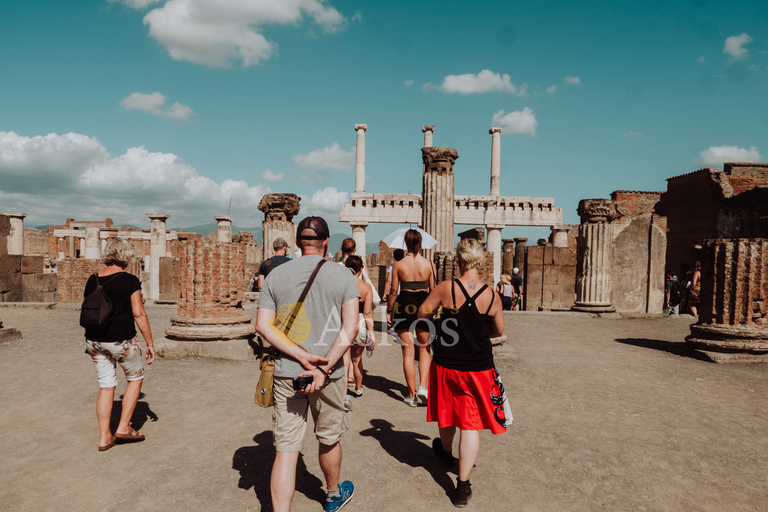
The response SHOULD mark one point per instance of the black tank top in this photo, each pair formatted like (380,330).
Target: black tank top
(464,341)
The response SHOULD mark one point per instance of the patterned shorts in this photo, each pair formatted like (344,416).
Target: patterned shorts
(107,355)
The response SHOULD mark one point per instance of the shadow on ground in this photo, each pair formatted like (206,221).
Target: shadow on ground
(679,348)
(390,388)
(407,448)
(141,414)
(255,465)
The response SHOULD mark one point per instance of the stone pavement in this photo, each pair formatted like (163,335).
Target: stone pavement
(610,414)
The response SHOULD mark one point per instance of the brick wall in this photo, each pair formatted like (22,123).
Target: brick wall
(74,273)
(447,269)
(212,279)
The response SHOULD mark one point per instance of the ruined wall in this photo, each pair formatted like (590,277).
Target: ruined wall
(744,215)
(74,273)
(36,242)
(549,282)
(447,269)
(22,278)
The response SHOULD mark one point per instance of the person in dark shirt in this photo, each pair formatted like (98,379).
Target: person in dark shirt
(268,265)
(465,390)
(117,343)
(517,284)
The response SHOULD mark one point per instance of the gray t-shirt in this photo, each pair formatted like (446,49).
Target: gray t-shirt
(333,286)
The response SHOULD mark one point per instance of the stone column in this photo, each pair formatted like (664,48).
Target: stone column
(156,251)
(429,130)
(92,245)
(733,309)
(593,271)
(358,235)
(223,228)
(279,210)
(104,242)
(559,236)
(360,158)
(60,247)
(520,245)
(16,233)
(495,160)
(81,240)
(508,255)
(494,246)
(71,246)
(437,197)
(211,281)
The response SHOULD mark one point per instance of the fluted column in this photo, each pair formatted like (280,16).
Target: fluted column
(733,310)
(92,244)
(358,235)
(437,202)
(16,233)
(223,228)
(279,210)
(429,130)
(360,158)
(495,160)
(520,245)
(593,271)
(157,250)
(494,246)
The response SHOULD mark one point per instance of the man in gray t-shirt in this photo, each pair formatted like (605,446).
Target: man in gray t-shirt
(318,339)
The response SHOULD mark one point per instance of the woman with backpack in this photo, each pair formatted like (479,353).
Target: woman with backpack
(113,341)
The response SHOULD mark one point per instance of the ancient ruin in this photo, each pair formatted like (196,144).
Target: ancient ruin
(279,210)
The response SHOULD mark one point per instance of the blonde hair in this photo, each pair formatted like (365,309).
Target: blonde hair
(118,252)
(469,253)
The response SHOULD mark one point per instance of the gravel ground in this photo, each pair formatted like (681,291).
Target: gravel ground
(610,414)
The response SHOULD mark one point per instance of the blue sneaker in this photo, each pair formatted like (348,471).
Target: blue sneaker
(346,490)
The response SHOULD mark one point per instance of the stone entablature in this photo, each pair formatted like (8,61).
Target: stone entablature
(477,210)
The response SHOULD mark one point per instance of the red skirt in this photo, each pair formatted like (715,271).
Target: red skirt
(463,399)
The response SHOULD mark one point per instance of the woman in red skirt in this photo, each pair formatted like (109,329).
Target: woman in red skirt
(465,390)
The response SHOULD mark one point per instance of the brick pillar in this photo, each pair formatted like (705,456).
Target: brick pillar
(211,281)
(437,197)
(733,309)
(279,210)
(593,271)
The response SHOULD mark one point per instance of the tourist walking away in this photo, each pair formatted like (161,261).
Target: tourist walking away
(280,257)
(517,286)
(465,389)
(506,291)
(414,276)
(695,290)
(113,341)
(673,294)
(308,312)
(365,339)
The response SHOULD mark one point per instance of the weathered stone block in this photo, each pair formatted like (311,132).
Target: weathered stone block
(38,283)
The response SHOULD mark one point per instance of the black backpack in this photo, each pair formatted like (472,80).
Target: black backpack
(675,294)
(96,312)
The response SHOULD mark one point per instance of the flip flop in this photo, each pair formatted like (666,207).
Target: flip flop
(130,437)
(110,445)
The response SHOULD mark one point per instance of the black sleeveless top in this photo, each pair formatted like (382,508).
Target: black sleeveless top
(464,339)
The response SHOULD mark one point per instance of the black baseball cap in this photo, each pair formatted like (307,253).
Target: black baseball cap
(316,224)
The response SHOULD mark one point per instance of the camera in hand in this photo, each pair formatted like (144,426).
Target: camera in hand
(300,383)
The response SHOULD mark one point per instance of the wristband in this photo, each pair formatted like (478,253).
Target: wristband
(327,377)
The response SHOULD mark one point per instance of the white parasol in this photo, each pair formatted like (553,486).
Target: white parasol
(396,239)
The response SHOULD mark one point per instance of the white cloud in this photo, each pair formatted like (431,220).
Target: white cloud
(135,4)
(484,81)
(331,158)
(327,200)
(275,177)
(409,83)
(716,156)
(552,89)
(54,176)
(572,80)
(632,134)
(216,32)
(154,104)
(520,122)
(734,46)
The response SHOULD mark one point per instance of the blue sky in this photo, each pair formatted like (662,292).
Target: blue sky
(123,107)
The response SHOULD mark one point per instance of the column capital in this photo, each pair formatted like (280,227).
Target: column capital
(14,214)
(495,129)
(220,218)
(494,226)
(521,240)
(280,206)
(428,128)
(358,224)
(158,216)
(433,157)
(597,211)
(363,127)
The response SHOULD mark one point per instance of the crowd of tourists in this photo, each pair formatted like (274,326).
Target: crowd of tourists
(449,325)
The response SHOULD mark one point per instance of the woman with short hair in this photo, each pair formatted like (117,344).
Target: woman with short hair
(117,343)
(414,276)
(465,390)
